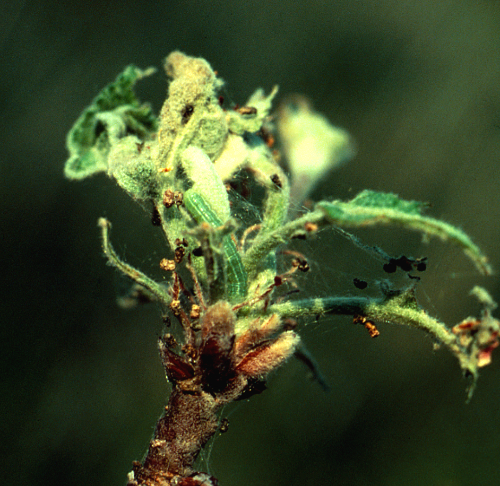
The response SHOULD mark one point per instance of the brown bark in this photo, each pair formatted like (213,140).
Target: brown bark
(188,423)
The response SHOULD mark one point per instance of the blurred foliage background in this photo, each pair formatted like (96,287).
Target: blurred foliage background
(416,83)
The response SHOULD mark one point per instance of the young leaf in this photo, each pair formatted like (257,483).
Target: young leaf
(369,208)
(114,112)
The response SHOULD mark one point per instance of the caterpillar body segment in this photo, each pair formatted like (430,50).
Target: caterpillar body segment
(236,275)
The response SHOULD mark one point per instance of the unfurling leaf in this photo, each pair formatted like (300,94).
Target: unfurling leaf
(371,208)
(114,113)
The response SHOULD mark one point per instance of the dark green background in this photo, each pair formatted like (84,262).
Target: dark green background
(418,86)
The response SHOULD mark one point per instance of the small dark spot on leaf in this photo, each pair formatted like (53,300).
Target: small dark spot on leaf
(360,284)
(186,113)
(421,266)
(390,267)
(404,263)
(275,179)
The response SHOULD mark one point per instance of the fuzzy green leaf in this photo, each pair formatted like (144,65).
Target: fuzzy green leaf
(375,208)
(114,112)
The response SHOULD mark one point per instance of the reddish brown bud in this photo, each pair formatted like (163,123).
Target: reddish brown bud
(264,359)
(217,328)
(176,367)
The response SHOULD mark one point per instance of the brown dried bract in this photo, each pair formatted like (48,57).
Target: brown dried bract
(195,311)
(369,325)
(175,307)
(180,251)
(167,265)
(168,198)
(311,227)
(301,264)
(178,198)
(172,197)
(247,110)
(224,425)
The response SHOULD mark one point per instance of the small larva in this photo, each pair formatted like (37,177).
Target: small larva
(236,274)
(200,210)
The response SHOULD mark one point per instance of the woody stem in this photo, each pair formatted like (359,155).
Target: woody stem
(189,422)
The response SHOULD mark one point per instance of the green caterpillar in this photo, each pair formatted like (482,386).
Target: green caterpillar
(236,274)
